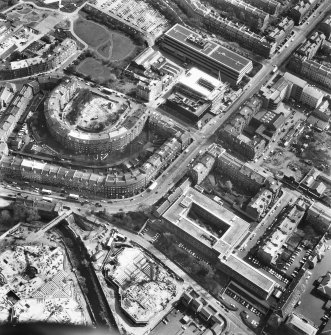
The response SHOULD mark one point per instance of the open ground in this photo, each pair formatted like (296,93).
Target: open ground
(107,43)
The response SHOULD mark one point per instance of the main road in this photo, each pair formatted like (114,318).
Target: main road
(203,138)
(178,168)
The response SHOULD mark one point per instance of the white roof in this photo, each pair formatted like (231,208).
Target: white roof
(303,326)
(33,164)
(314,92)
(191,78)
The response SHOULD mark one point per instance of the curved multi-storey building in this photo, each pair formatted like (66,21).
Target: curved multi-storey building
(80,141)
(111,185)
(32,66)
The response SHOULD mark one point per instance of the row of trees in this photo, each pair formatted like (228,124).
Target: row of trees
(16,213)
(177,11)
(202,271)
(4,4)
(106,20)
(132,221)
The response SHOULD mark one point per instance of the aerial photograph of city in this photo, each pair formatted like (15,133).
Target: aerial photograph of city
(165,167)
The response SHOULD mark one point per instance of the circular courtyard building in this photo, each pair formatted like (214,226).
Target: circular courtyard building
(88,123)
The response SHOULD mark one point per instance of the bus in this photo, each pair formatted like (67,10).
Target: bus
(47,199)
(73,196)
(44,191)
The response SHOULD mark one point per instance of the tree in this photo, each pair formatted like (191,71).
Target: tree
(82,282)
(112,77)
(228,185)
(6,218)
(21,213)
(32,214)
(12,2)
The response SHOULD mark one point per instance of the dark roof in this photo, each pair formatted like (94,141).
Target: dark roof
(211,49)
(325,286)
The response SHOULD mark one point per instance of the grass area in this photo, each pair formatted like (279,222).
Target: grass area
(93,68)
(122,46)
(104,49)
(71,5)
(91,33)
(108,44)
(25,11)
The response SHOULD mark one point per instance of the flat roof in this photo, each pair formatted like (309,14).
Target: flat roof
(250,273)
(295,80)
(211,49)
(237,227)
(302,325)
(196,107)
(198,80)
(313,91)
(321,210)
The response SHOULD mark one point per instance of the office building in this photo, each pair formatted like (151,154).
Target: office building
(274,93)
(219,231)
(148,89)
(247,276)
(196,94)
(301,91)
(201,86)
(219,61)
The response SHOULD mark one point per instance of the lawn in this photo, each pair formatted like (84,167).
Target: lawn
(91,33)
(108,44)
(104,49)
(122,46)
(95,69)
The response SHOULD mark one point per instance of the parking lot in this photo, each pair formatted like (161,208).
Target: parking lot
(277,275)
(243,302)
(312,306)
(174,324)
(246,306)
(152,236)
(290,261)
